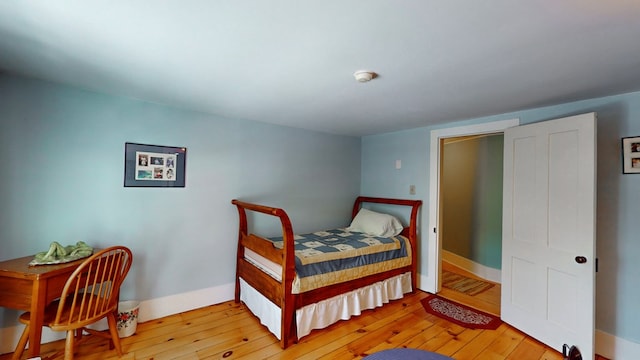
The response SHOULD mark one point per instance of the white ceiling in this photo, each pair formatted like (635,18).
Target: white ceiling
(291,62)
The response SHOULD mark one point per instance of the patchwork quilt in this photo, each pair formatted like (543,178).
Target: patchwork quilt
(333,256)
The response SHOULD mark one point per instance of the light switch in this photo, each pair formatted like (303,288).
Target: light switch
(398,164)
(412,189)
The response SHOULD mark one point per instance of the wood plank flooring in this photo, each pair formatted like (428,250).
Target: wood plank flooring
(230,331)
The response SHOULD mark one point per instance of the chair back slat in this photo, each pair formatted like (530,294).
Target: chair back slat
(93,289)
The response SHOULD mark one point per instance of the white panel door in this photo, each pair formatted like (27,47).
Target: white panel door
(548,251)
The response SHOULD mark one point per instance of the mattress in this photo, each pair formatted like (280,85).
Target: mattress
(333,256)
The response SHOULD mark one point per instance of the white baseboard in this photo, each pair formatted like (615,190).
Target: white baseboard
(169,305)
(11,335)
(616,348)
(473,267)
(149,310)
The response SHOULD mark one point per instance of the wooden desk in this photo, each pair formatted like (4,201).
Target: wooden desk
(31,288)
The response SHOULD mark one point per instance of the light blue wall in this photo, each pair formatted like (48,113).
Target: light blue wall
(62,180)
(618,246)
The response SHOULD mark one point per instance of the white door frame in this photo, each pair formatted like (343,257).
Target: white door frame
(431,282)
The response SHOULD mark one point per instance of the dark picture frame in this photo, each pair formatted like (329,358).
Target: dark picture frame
(154,165)
(631,155)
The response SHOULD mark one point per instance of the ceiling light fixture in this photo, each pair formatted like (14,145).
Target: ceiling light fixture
(364,75)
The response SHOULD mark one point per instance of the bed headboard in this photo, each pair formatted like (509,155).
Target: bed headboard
(411,231)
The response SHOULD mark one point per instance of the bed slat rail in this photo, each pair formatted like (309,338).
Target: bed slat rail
(263,247)
(316,295)
(258,279)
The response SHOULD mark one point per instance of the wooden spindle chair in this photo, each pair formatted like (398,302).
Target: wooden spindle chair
(90,294)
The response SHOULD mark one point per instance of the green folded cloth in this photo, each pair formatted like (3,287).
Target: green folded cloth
(58,254)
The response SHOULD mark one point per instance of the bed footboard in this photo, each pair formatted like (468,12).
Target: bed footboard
(279,292)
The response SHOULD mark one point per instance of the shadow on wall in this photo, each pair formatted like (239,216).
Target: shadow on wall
(472,198)
(608,246)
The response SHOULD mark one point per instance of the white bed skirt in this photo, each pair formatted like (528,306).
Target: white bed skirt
(329,311)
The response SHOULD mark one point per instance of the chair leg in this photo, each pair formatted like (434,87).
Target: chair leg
(69,345)
(78,333)
(22,344)
(113,329)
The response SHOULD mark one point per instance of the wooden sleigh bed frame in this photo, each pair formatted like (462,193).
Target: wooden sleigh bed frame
(280,292)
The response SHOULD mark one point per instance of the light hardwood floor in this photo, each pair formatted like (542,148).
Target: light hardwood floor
(230,331)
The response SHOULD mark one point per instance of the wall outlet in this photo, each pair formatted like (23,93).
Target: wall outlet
(412,189)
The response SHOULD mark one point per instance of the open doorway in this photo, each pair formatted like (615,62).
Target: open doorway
(471,219)
(432,281)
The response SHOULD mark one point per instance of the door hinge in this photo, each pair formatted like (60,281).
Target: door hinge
(596,264)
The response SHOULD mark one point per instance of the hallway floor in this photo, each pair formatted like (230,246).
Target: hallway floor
(487,301)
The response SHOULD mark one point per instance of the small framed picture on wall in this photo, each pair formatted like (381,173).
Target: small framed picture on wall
(631,155)
(154,165)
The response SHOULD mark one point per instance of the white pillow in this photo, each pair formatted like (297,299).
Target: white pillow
(376,224)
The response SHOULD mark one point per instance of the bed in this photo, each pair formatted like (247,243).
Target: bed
(369,263)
